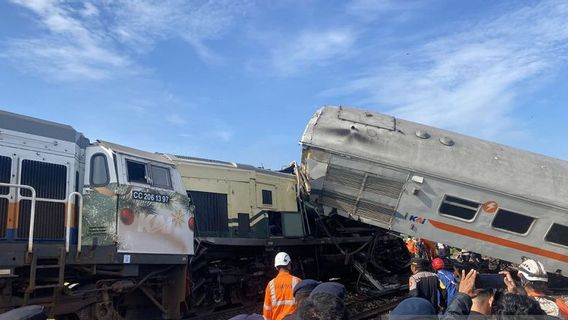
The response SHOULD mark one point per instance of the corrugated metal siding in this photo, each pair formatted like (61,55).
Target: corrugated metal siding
(5,171)
(388,185)
(50,182)
(211,211)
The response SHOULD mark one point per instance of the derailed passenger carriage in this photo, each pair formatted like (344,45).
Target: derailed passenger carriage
(434,184)
(91,229)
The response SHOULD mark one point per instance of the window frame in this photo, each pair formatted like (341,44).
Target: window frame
(170,186)
(271,204)
(455,217)
(513,232)
(548,231)
(106,169)
(146,176)
(148,173)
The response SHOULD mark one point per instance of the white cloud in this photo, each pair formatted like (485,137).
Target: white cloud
(176,119)
(224,135)
(470,80)
(373,9)
(99,39)
(69,49)
(311,48)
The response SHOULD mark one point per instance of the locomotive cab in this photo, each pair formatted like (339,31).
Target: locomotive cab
(136,200)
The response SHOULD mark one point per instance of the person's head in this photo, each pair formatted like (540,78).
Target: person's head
(413,308)
(482,302)
(438,264)
(418,265)
(334,288)
(511,304)
(282,261)
(303,289)
(322,306)
(533,276)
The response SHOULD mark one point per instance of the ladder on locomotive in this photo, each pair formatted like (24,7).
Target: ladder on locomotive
(48,261)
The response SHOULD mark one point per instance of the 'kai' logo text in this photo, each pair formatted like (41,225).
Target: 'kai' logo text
(417,219)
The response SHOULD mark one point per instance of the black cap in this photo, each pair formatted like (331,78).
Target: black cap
(334,288)
(306,285)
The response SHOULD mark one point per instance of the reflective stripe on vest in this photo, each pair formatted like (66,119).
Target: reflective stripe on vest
(276,303)
(272,292)
(294,282)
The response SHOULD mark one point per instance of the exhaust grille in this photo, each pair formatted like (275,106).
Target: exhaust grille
(372,195)
(5,171)
(50,182)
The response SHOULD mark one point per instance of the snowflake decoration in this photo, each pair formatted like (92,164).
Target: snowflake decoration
(178,218)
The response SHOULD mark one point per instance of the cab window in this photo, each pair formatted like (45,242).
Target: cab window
(99,170)
(161,177)
(136,172)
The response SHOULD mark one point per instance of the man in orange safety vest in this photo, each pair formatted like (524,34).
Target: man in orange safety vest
(279,297)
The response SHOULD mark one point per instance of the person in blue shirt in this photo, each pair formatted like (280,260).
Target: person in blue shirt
(448,282)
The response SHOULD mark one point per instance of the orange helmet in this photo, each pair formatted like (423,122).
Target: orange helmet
(438,264)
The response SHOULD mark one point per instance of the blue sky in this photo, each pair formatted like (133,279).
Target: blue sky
(238,80)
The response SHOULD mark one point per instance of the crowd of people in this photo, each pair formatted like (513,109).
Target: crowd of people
(437,290)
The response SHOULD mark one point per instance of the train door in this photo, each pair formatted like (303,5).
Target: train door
(154,213)
(100,197)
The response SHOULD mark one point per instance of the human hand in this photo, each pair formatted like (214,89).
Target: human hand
(467,283)
(509,282)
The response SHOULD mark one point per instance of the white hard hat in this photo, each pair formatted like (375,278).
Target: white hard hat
(281,259)
(533,270)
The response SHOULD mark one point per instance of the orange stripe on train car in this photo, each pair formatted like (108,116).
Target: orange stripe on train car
(499,241)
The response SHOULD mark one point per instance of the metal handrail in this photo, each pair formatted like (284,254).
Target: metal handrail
(68,218)
(32,211)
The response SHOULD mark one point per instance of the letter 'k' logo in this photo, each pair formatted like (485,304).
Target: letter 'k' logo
(417,219)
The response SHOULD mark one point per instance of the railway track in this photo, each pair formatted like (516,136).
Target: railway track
(364,307)
(228,313)
(361,307)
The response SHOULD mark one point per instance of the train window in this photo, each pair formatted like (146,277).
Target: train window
(512,221)
(558,234)
(161,177)
(266,197)
(136,171)
(459,208)
(99,170)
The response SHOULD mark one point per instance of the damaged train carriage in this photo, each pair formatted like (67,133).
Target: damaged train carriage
(439,185)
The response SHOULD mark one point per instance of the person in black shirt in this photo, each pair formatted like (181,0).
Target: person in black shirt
(423,283)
